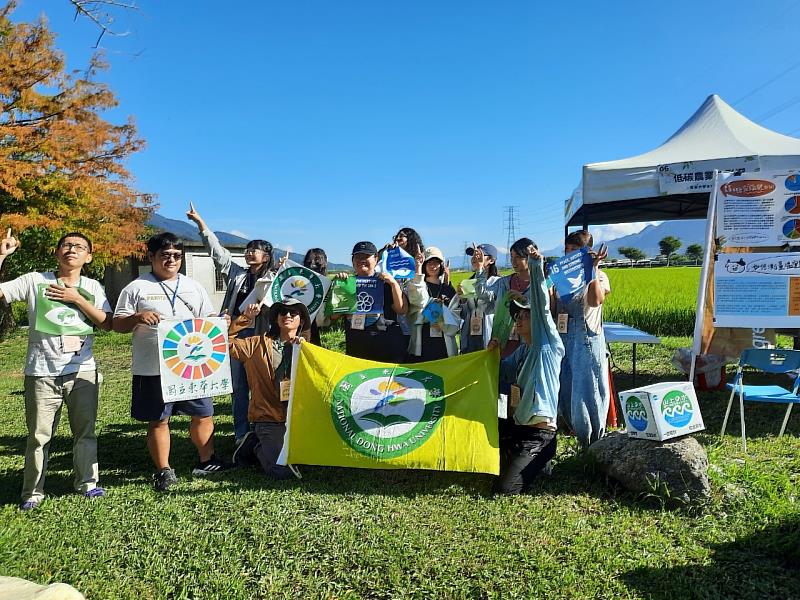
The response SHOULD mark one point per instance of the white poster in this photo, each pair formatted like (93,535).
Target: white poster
(697,177)
(193,358)
(757,290)
(759,209)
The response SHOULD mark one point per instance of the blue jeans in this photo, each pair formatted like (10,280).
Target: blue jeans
(241,393)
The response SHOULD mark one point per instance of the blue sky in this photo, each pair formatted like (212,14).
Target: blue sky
(314,123)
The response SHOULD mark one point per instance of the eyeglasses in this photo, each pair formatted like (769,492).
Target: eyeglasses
(167,256)
(70,246)
(291,312)
(523,315)
(254,250)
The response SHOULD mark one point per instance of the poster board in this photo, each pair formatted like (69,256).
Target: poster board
(193,358)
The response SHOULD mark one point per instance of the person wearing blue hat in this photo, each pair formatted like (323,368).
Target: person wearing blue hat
(476,327)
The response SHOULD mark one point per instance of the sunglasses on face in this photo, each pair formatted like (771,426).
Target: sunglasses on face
(290,312)
(168,256)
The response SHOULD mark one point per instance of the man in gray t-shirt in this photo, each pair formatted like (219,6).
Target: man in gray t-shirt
(164,293)
(63,309)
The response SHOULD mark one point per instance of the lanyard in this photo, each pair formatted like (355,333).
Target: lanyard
(174,292)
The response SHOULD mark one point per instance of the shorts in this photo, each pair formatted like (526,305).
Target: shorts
(147,403)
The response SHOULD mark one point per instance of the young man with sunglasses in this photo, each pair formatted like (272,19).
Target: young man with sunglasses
(164,293)
(240,281)
(63,307)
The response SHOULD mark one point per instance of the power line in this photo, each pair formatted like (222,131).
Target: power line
(766,83)
(778,109)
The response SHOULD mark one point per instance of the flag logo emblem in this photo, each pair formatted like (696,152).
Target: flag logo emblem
(386,413)
(301,284)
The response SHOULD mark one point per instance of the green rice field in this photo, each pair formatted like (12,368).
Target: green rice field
(658,300)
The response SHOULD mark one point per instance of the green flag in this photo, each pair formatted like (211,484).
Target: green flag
(502,322)
(342,297)
(57,318)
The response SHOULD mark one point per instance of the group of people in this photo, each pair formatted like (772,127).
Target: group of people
(60,369)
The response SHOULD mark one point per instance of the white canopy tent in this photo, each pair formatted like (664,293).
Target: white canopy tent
(640,189)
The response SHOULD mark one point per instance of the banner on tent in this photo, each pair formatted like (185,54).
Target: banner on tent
(697,177)
(193,358)
(759,209)
(757,290)
(351,412)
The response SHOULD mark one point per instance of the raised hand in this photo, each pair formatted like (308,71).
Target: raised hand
(533,252)
(8,244)
(195,217)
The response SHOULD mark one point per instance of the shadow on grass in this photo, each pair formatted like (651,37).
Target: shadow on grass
(765,564)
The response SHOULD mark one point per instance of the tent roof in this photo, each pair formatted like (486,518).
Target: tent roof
(628,189)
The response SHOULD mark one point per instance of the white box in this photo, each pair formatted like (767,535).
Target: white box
(661,411)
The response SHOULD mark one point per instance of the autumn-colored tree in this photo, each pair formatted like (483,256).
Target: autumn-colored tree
(61,163)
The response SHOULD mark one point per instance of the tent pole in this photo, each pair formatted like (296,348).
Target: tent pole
(704,272)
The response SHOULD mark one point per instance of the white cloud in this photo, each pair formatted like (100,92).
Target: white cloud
(606,233)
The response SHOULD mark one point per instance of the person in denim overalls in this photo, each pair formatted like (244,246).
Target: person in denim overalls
(584,394)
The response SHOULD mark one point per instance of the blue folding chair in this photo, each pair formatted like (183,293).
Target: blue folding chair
(768,361)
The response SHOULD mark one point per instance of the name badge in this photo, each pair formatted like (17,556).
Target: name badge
(71,343)
(286,386)
(358,322)
(476,324)
(563,319)
(436,330)
(514,335)
(515,396)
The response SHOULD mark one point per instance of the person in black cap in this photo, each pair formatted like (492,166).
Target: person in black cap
(376,336)
(267,358)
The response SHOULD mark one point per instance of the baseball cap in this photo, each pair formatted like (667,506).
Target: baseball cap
(487,249)
(433,252)
(364,248)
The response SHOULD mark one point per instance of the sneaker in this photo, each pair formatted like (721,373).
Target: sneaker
(97,492)
(29,505)
(210,467)
(164,479)
(245,453)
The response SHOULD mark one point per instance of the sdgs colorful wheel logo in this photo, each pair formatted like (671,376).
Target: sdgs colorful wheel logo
(194,349)
(384,415)
(301,284)
(637,413)
(677,408)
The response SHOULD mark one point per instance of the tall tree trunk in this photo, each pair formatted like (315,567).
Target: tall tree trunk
(7,323)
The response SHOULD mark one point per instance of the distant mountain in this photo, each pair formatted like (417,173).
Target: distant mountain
(688,232)
(188,232)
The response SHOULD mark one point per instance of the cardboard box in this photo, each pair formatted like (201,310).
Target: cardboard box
(661,411)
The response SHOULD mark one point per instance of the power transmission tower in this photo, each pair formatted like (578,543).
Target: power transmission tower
(511,213)
(465,261)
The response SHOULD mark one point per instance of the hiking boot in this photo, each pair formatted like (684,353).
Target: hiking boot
(210,467)
(245,453)
(97,492)
(29,505)
(164,479)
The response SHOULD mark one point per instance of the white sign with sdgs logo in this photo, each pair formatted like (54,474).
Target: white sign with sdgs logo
(661,411)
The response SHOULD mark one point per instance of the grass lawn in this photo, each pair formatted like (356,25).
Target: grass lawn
(349,533)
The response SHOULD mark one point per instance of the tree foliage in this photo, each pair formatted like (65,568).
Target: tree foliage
(631,253)
(694,252)
(669,246)
(61,163)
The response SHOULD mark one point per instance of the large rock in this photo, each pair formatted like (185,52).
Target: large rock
(675,470)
